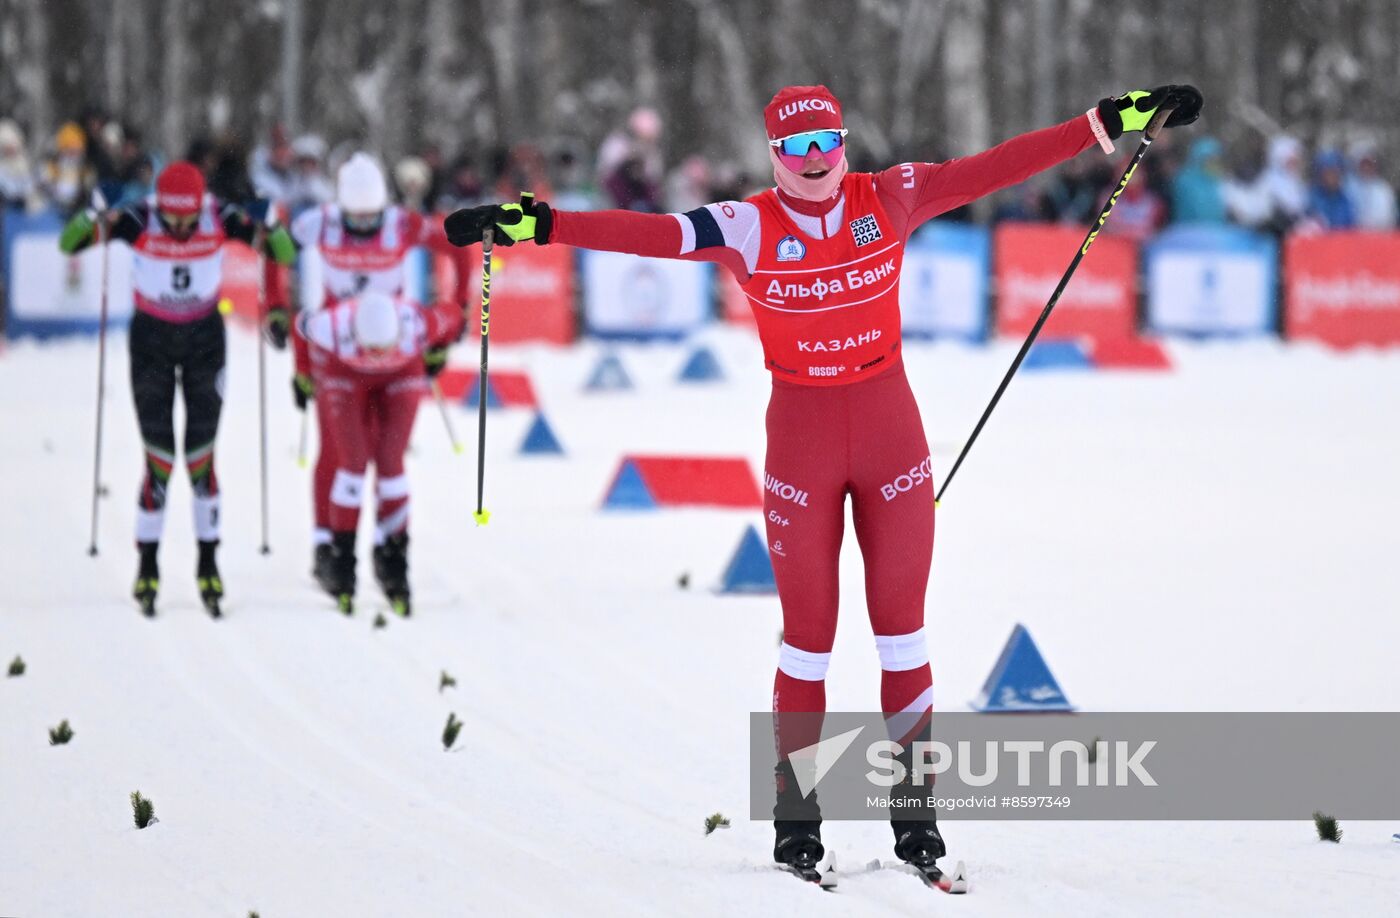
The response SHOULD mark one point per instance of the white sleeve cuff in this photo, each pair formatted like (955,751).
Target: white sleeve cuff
(1100,132)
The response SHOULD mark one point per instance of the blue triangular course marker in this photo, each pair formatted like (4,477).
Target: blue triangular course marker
(474,395)
(750,570)
(1021,681)
(540,439)
(629,491)
(1058,354)
(608,376)
(701,367)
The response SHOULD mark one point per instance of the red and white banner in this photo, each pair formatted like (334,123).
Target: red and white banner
(1100,301)
(240,283)
(532,292)
(1343,288)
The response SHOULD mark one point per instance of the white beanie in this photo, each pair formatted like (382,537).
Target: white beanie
(360,187)
(376,321)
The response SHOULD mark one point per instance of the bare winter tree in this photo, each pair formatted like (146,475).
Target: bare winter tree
(920,78)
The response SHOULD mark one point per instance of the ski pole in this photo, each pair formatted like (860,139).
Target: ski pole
(100,205)
(1149,135)
(446,420)
(301,443)
(262,382)
(482,515)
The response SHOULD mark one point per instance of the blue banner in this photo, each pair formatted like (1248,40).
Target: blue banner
(49,293)
(943,290)
(1211,281)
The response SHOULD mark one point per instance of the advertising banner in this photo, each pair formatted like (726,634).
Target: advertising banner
(1343,288)
(1211,280)
(1100,301)
(943,290)
(625,296)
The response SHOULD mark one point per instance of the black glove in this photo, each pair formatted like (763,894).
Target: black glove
(512,222)
(303,390)
(276,325)
(1133,110)
(434,359)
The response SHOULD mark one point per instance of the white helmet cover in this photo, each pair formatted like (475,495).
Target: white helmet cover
(376,320)
(360,187)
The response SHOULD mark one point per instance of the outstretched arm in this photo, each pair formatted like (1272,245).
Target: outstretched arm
(725,233)
(922,191)
(81,231)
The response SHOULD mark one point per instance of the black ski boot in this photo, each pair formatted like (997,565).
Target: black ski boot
(335,570)
(211,585)
(147,578)
(918,842)
(321,564)
(797,826)
(391,570)
(915,823)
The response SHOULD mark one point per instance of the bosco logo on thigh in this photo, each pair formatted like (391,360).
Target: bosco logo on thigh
(908,481)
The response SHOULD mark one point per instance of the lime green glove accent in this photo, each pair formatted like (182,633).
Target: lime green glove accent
(303,390)
(277,327)
(525,228)
(1136,108)
(434,360)
(281,246)
(77,232)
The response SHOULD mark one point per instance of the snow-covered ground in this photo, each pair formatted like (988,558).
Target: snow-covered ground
(1222,537)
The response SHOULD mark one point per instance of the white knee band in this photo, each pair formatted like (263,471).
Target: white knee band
(801,664)
(899,652)
(347,488)
(149,524)
(206,518)
(393,488)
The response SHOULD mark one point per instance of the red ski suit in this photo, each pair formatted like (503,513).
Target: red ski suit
(366,404)
(351,264)
(823,281)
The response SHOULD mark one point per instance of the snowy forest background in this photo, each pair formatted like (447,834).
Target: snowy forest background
(919,78)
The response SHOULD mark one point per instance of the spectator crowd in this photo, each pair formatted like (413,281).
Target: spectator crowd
(1274,186)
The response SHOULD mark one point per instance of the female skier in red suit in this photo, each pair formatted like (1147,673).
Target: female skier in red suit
(819,258)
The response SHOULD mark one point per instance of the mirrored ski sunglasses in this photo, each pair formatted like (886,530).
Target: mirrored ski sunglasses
(793,149)
(178,223)
(366,222)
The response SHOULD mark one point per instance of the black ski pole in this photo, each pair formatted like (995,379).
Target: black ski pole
(100,206)
(261,238)
(482,515)
(1149,135)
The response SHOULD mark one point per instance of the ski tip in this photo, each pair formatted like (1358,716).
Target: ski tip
(346,603)
(828,871)
(955,882)
(457,448)
(482,517)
